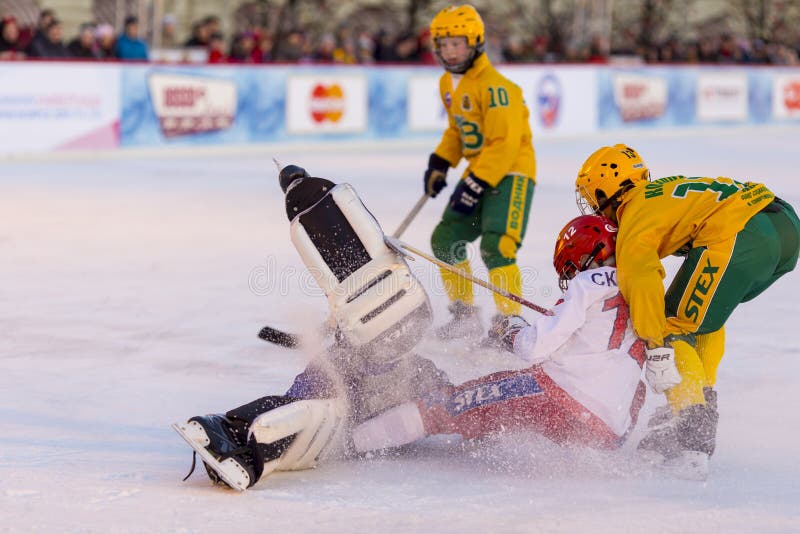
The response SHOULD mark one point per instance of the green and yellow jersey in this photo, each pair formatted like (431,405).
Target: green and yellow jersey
(669,215)
(488,124)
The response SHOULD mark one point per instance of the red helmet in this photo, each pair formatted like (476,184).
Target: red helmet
(584,241)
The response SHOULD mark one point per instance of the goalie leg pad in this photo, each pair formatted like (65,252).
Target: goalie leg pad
(313,423)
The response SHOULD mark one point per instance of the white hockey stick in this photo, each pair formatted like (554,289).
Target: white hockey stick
(400,246)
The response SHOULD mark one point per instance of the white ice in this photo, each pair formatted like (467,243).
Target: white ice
(132,289)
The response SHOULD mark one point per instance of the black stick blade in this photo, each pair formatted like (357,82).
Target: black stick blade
(278,337)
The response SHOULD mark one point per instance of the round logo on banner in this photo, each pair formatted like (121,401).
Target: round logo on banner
(548,97)
(327,103)
(791,96)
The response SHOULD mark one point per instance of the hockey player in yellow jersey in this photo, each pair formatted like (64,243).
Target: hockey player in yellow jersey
(488,125)
(737,238)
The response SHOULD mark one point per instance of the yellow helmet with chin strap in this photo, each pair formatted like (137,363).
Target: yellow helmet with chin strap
(459,21)
(606,174)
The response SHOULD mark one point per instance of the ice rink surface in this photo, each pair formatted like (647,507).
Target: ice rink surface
(132,289)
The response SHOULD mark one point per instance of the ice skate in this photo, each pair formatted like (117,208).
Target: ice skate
(661,441)
(226,455)
(465,324)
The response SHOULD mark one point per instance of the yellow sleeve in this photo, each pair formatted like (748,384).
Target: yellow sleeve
(450,146)
(640,273)
(504,112)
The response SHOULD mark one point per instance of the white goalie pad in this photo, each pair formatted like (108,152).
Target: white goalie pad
(376,301)
(315,422)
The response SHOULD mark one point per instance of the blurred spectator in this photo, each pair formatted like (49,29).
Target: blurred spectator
(212,24)
(169,31)
(426,54)
(780,54)
(365,48)
(10,47)
(325,48)
(129,46)
(51,45)
(346,52)
(200,36)
(707,50)
(292,48)
(406,48)
(242,48)
(39,40)
(599,50)
(384,47)
(759,52)
(216,49)
(106,44)
(540,52)
(514,50)
(264,48)
(83,46)
(729,50)
(692,52)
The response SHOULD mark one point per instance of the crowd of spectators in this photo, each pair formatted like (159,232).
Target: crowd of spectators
(345,46)
(93,41)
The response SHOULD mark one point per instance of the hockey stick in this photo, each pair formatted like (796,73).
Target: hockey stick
(400,246)
(292,341)
(411,216)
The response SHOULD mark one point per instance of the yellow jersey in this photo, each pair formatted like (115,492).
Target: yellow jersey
(488,124)
(669,215)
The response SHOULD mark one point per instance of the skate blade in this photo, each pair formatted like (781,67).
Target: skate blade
(218,468)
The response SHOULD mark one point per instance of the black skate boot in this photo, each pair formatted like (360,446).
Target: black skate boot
(465,324)
(661,441)
(226,454)
(696,432)
(221,441)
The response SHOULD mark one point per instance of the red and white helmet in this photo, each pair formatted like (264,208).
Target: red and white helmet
(585,242)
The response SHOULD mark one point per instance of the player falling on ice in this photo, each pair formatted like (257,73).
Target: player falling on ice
(584,385)
(380,311)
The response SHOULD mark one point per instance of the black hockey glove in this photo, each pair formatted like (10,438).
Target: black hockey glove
(468,193)
(436,176)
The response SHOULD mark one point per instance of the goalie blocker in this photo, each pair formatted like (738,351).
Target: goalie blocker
(378,305)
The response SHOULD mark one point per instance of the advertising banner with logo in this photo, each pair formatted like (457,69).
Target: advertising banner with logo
(183,105)
(320,103)
(646,97)
(786,96)
(57,106)
(722,96)
(561,100)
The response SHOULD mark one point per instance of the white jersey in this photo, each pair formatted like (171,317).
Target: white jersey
(588,347)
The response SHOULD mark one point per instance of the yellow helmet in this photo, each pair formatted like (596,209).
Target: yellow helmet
(606,174)
(459,21)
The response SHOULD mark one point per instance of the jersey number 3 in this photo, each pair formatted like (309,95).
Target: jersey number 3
(620,325)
